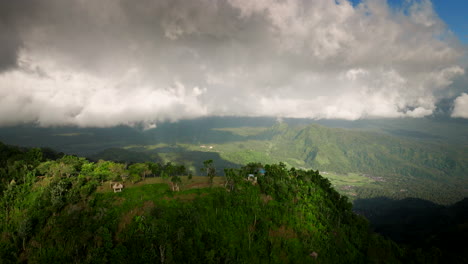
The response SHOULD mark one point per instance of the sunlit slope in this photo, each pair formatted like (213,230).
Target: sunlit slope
(343,150)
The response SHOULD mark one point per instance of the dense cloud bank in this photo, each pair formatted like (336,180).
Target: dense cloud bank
(110,62)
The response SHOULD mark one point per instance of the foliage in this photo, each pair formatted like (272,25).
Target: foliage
(288,216)
(209,169)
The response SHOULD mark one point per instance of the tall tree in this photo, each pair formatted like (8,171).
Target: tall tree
(209,169)
(138,171)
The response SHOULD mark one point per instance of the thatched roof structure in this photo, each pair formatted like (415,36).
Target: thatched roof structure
(117,187)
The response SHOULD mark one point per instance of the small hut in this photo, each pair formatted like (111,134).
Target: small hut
(117,187)
(252,178)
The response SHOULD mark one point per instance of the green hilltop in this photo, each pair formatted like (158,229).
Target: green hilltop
(64,210)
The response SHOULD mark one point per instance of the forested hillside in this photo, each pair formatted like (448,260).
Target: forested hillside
(63,210)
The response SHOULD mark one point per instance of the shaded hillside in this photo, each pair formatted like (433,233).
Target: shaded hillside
(420,224)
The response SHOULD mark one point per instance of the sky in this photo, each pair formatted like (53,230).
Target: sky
(452,12)
(102,63)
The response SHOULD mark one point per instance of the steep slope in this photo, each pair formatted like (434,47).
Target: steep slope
(288,216)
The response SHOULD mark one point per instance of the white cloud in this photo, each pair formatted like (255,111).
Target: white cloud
(77,98)
(105,63)
(461,106)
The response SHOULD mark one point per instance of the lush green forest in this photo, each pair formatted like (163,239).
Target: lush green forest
(61,208)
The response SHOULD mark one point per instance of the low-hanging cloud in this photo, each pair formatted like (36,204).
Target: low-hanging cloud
(110,62)
(461,106)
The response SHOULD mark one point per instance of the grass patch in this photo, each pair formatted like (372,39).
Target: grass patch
(347,184)
(196,182)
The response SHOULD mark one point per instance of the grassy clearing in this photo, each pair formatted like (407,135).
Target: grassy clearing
(353,179)
(196,182)
(347,184)
(139,198)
